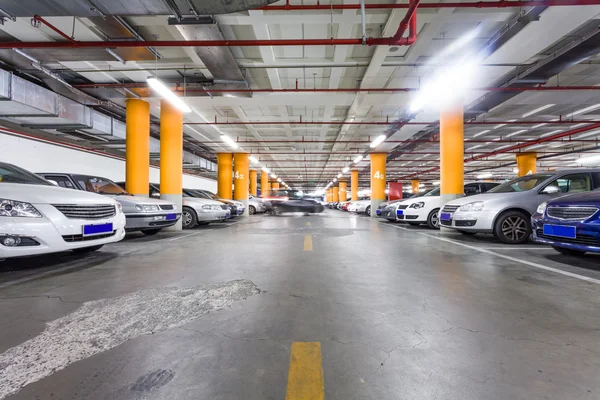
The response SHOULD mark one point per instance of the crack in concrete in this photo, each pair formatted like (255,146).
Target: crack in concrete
(42,297)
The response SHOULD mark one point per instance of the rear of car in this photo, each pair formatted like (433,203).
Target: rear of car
(37,217)
(570,224)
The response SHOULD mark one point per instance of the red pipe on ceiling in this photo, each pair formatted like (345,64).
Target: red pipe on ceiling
(518,146)
(260,142)
(301,122)
(37,18)
(477,4)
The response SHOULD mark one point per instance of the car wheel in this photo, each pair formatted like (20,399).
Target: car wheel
(513,227)
(414,223)
(368,211)
(568,252)
(188,218)
(433,219)
(468,233)
(252,210)
(151,232)
(85,250)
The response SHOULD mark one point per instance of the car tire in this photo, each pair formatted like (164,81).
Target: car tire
(433,219)
(568,252)
(151,232)
(85,250)
(368,211)
(468,233)
(189,219)
(513,227)
(252,210)
(414,223)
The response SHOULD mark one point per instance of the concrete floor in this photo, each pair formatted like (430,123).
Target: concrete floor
(400,313)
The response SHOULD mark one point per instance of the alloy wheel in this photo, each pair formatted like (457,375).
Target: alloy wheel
(514,228)
(187,218)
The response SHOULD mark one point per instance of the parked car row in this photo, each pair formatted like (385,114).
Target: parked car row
(52,212)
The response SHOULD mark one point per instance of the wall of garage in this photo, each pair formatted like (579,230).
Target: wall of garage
(39,155)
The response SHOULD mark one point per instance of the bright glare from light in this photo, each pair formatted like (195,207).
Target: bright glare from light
(516,170)
(421,185)
(537,110)
(279,180)
(378,140)
(481,133)
(485,176)
(253,159)
(273,176)
(346,169)
(165,92)
(436,183)
(265,169)
(229,141)
(339,176)
(590,160)
(334,180)
(358,159)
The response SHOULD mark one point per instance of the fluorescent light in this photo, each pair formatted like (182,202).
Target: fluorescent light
(346,169)
(273,176)
(278,179)
(484,176)
(578,125)
(475,147)
(421,185)
(253,159)
(516,170)
(378,140)
(229,141)
(265,169)
(165,92)
(551,133)
(584,110)
(358,159)
(339,175)
(334,180)
(501,125)
(516,133)
(595,160)
(436,183)
(538,110)
(30,58)
(538,126)
(481,133)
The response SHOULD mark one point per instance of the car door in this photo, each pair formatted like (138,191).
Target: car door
(472,189)
(567,184)
(61,180)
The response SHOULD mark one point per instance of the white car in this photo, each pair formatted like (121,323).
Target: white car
(395,210)
(37,217)
(363,207)
(353,206)
(199,211)
(425,209)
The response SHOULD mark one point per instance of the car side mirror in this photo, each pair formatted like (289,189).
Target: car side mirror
(155,195)
(551,190)
(52,182)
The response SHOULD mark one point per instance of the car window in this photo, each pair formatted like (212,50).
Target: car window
(12,174)
(96,184)
(596,176)
(434,192)
(575,183)
(521,184)
(61,180)
(489,186)
(471,189)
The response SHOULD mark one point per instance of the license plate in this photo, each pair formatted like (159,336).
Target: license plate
(171,217)
(228,214)
(90,230)
(569,232)
(378,212)
(445,217)
(399,212)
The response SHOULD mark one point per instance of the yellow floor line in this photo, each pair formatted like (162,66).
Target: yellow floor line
(308,243)
(308,224)
(305,376)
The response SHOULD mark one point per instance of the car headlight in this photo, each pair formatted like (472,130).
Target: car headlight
(418,205)
(146,207)
(119,208)
(206,208)
(542,207)
(476,206)
(12,208)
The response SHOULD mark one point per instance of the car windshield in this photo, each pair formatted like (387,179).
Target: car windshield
(99,185)
(521,184)
(434,192)
(207,195)
(12,174)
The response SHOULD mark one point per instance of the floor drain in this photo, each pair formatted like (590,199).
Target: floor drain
(153,380)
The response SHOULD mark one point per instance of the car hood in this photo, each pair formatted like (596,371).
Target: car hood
(133,200)
(492,198)
(41,194)
(199,200)
(588,198)
(429,200)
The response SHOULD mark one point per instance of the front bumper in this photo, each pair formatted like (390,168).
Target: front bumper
(211,215)
(55,233)
(136,222)
(479,222)
(414,215)
(587,235)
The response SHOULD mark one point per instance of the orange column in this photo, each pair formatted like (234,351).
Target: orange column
(378,181)
(452,153)
(264,184)
(526,163)
(354,185)
(224,175)
(415,186)
(171,156)
(343,190)
(336,194)
(241,168)
(253,183)
(137,147)
(275,185)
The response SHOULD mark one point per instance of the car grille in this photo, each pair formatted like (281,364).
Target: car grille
(225,207)
(572,213)
(166,207)
(73,211)
(581,239)
(402,206)
(81,238)
(450,209)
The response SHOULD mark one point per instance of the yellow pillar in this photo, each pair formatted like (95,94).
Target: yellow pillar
(415,185)
(377,181)
(171,156)
(335,194)
(343,190)
(241,170)
(224,175)
(137,147)
(275,185)
(264,184)
(329,195)
(253,183)
(451,153)
(526,163)
(354,185)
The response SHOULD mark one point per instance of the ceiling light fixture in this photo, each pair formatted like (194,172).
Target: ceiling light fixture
(537,110)
(279,180)
(253,159)
(378,140)
(229,141)
(358,159)
(481,133)
(334,180)
(484,176)
(273,176)
(265,169)
(590,160)
(339,175)
(165,92)
(346,169)
(584,110)
(436,183)
(516,133)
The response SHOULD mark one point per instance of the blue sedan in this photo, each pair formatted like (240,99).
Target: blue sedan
(570,224)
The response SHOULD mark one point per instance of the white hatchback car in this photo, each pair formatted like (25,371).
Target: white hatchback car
(37,217)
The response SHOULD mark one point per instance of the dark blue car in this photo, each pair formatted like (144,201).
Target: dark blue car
(570,224)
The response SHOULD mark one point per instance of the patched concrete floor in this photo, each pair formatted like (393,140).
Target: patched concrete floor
(400,313)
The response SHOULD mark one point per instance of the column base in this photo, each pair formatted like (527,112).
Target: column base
(177,199)
(246,209)
(374,206)
(445,198)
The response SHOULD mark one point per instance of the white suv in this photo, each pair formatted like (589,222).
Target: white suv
(37,217)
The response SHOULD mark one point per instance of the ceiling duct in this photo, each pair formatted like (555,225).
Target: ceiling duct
(20,97)
(100,8)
